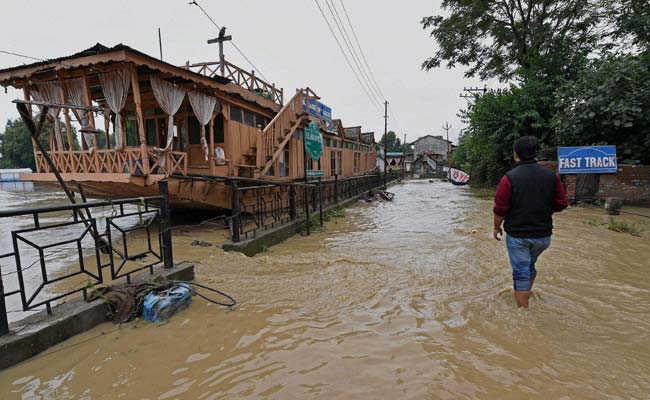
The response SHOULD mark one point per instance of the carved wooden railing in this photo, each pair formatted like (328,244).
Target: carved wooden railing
(276,134)
(245,79)
(112,161)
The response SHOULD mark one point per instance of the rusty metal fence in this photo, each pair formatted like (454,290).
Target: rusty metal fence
(133,236)
(260,208)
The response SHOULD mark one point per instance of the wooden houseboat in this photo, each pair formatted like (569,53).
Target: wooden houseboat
(192,125)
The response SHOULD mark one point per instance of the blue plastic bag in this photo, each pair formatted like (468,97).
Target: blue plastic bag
(159,306)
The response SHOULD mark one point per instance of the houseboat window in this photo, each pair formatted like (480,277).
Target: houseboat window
(218,129)
(283,162)
(260,121)
(183,129)
(357,162)
(236,114)
(150,129)
(333,162)
(249,118)
(339,162)
(195,130)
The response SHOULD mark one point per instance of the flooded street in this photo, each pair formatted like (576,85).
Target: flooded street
(396,300)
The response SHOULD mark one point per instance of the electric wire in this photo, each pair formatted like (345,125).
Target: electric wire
(240,51)
(346,56)
(348,44)
(372,75)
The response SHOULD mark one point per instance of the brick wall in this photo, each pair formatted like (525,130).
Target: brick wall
(631,183)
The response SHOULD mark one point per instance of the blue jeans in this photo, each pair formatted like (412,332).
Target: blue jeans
(523,254)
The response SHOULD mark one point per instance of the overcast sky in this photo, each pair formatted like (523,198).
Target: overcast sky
(287,40)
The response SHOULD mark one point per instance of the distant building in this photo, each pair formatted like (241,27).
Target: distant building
(433,145)
(427,164)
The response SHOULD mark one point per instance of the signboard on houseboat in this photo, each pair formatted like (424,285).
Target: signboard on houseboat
(318,109)
(587,160)
(315,173)
(313,141)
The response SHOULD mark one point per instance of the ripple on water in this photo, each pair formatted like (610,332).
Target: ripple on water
(397,300)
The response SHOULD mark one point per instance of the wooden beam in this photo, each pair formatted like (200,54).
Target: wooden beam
(66,116)
(211,147)
(91,116)
(276,154)
(135,87)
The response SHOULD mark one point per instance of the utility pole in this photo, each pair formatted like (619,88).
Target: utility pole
(447,127)
(220,39)
(160,44)
(472,93)
(404,158)
(385,141)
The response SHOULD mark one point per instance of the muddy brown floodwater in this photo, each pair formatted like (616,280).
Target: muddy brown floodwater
(397,300)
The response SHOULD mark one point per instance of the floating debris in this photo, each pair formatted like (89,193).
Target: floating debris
(200,243)
(379,196)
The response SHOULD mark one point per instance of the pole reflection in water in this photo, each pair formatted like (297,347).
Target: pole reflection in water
(396,300)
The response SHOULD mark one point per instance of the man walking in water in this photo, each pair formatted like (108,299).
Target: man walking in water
(526,198)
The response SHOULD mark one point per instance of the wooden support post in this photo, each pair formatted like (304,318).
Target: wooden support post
(27,95)
(135,86)
(211,147)
(91,115)
(66,117)
(107,128)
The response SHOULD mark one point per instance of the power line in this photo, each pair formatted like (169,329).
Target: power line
(345,11)
(232,42)
(346,56)
(348,43)
(21,55)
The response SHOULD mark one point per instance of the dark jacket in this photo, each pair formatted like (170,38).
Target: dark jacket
(527,196)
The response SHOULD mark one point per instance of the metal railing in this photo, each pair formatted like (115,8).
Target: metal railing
(264,207)
(99,254)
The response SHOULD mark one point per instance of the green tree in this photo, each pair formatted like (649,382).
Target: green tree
(16,146)
(16,149)
(608,103)
(392,141)
(632,19)
(495,121)
(518,39)
(101,139)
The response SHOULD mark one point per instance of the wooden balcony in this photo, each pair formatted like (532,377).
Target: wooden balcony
(130,160)
(243,78)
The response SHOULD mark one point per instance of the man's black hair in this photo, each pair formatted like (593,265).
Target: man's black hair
(525,147)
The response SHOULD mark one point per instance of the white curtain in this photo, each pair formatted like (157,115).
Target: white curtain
(75,92)
(203,106)
(115,86)
(169,97)
(51,92)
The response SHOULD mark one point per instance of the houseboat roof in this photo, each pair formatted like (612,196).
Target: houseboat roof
(17,76)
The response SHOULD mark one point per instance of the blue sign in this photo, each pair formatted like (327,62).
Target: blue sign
(318,109)
(587,160)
